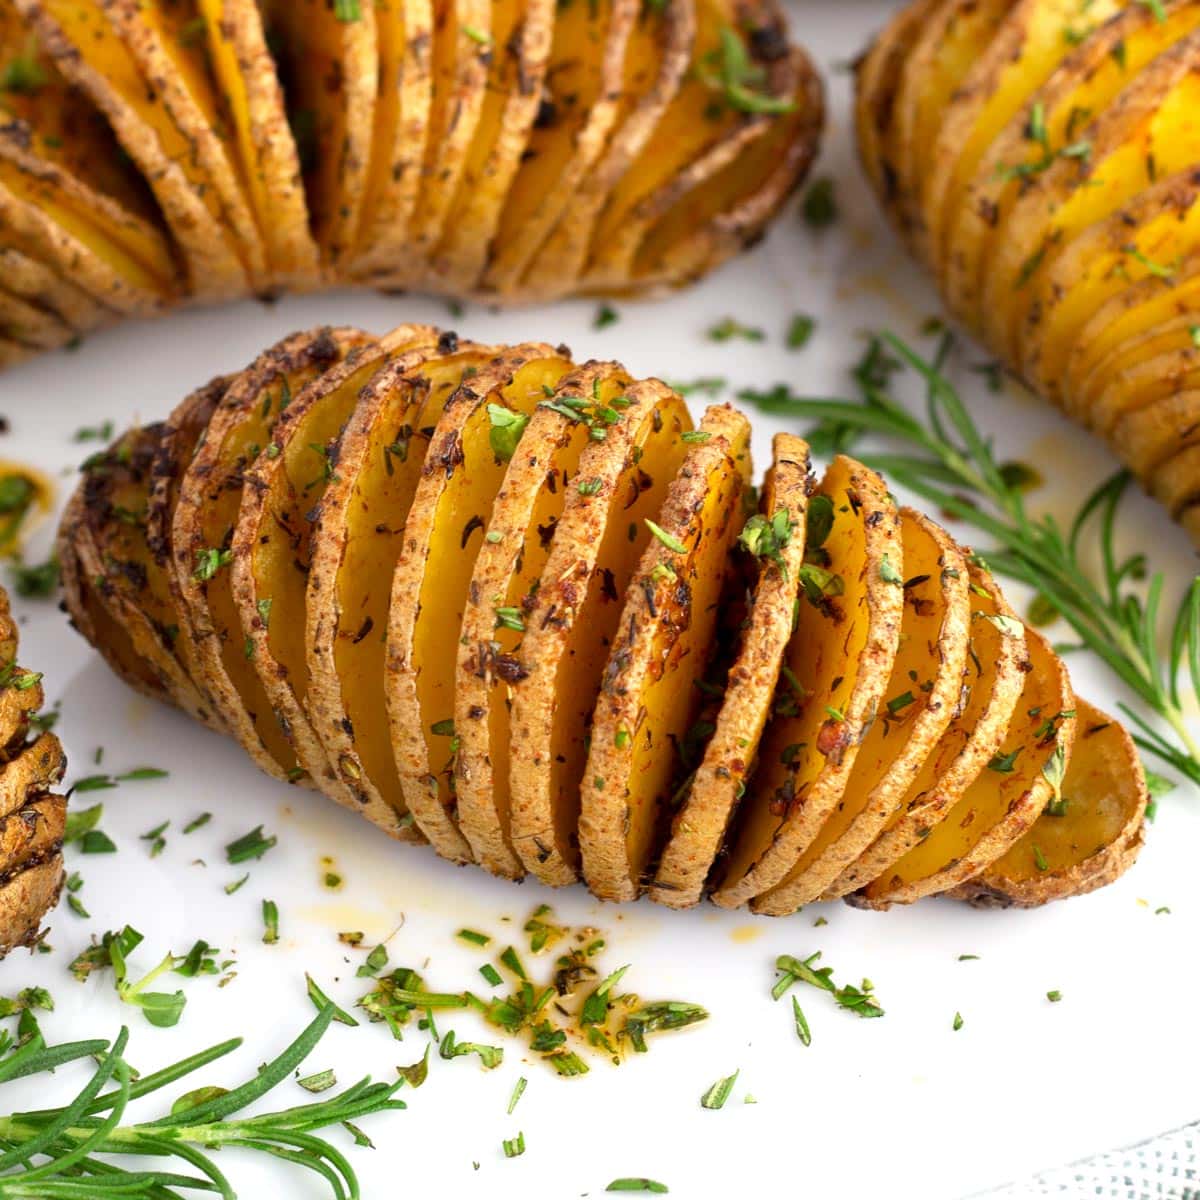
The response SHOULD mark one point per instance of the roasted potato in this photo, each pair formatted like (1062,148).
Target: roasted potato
(522,610)
(155,153)
(1040,158)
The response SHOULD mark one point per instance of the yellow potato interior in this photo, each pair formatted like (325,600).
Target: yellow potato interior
(375,517)
(819,672)
(647,476)
(463,510)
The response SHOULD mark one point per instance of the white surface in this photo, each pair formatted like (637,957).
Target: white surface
(901,1106)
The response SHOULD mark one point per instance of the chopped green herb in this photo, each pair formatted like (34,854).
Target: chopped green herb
(249,845)
(716,1095)
(270,915)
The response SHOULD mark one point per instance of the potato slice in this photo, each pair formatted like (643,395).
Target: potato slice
(52,217)
(1083,88)
(520,33)
(463,47)
(1089,839)
(722,203)
(1006,798)
(701,823)
(355,547)
(1177,482)
(328,59)
(88,51)
(32,326)
(459,482)
(405,31)
(657,57)
(572,617)
(648,699)
(580,102)
(1149,436)
(1020,58)
(167,41)
(268,159)
(109,537)
(272,541)
(503,596)
(37,283)
(922,698)
(202,528)
(1143,135)
(990,689)
(837,667)
(701,157)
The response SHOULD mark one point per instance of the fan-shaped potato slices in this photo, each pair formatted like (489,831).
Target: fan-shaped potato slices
(1030,43)
(269,163)
(1088,839)
(1141,136)
(836,671)
(714,211)
(30,325)
(573,615)
(35,282)
(463,48)
(83,235)
(648,699)
(580,100)
(1006,798)
(991,687)
(777,536)
(521,32)
(657,56)
(461,476)
(921,700)
(114,553)
(202,528)
(502,595)
(167,41)
(405,32)
(90,54)
(356,544)
(329,66)
(272,540)
(1084,89)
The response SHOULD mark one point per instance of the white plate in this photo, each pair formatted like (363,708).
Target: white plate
(902,1106)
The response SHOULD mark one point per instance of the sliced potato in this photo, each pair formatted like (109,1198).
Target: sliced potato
(573,616)
(32,326)
(87,50)
(271,546)
(990,689)
(922,697)
(580,101)
(328,59)
(1006,798)
(512,98)
(37,283)
(355,547)
(459,482)
(202,529)
(269,161)
(109,534)
(463,46)
(502,598)
(648,698)
(405,32)
(656,60)
(701,823)
(837,667)
(167,41)
(1084,842)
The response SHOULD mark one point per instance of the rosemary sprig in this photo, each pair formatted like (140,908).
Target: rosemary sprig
(1117,616)
(62,1152)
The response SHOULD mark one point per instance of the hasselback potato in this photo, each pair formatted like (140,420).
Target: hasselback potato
(32,815)
(156,153)
(524,610)
(1043,161)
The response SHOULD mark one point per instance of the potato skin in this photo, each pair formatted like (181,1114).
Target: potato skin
(1058,206)
(524,648)
(507,151)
